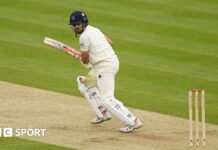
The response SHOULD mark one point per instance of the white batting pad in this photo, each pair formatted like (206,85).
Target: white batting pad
(92,96)
(117,108)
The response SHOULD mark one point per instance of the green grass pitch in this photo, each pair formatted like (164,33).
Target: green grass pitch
(21,144)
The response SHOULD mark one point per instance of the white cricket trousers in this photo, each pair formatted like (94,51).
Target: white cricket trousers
(105,73)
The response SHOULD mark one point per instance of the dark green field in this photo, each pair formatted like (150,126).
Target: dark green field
(20,144)
(165,48)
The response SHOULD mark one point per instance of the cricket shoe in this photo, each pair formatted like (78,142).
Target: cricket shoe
(129,128)
(98,120)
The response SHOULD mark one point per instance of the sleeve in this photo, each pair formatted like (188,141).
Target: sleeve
(84,42)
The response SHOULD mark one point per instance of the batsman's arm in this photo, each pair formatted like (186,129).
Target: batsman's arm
(109,40)
(85,57)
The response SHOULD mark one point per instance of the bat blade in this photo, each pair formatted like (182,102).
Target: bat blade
(61,46)
(53,43)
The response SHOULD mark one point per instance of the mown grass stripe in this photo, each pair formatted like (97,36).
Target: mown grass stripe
(23,144)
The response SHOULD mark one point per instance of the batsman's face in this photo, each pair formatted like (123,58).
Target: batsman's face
(78,27)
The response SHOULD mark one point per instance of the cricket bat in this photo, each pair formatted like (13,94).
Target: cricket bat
(63,47)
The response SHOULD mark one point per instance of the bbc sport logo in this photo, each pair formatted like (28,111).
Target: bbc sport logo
(10,132)
(6,132)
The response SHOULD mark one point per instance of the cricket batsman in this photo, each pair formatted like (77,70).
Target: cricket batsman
(98,86)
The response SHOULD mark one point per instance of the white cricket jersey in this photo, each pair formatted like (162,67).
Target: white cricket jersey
(95,42)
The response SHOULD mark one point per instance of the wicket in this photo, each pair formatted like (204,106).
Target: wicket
(196,94)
